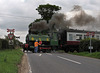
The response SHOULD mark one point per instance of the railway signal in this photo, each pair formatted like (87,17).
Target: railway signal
(90,33)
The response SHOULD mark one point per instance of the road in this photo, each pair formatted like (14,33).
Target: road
(62,63)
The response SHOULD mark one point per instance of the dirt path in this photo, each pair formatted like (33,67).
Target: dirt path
(24,67)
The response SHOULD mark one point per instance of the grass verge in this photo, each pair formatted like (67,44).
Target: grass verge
(87,54)
(9,60)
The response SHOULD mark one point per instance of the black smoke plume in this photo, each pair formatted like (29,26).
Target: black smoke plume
(39,26)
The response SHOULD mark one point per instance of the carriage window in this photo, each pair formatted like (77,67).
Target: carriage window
(78,37)
(70,37)
(97,36)
(85,36)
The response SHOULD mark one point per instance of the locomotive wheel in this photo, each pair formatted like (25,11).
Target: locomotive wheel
(44,50)
(48,50)
(72,49)
(66,50)
(77,50)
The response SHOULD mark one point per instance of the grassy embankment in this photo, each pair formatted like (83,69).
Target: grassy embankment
(9,60)
(87,54)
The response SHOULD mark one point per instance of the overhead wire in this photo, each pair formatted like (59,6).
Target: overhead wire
(15,16)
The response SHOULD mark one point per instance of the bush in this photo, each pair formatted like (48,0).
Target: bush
(4,44)
(0,43)
(84,44)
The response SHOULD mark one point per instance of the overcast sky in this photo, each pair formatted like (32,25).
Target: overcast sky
(18,14)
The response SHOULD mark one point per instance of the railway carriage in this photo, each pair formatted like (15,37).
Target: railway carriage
(70,39)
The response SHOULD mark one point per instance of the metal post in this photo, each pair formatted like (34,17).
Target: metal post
(90,43)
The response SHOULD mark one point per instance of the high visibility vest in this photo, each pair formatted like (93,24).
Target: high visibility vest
(36,44)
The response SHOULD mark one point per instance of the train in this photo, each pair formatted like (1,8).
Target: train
(67,40)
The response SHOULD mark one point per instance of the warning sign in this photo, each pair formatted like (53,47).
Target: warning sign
(10,36)
(11,42)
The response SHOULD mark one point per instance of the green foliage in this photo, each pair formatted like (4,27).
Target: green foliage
(46,11)
(0,43)
(3,44)
(9,60)
(37,20)
(93,55)
(84,44)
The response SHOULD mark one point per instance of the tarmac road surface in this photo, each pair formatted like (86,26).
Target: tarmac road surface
(62,63)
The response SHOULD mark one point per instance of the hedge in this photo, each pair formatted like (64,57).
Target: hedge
(84,45)
(4,44)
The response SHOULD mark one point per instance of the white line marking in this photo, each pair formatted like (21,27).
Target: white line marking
(37,54)
(40,54)
(48,54)
(30,71)
(69,60)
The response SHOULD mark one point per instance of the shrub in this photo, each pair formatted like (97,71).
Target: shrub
(84,44)
(0,43)
(4,44)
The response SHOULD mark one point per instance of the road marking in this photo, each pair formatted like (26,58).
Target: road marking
(69,60)
(37,54)
(48,54)
(30,71)
(40,54)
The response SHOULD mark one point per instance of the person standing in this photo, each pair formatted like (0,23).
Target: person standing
(25,47)
(36,46)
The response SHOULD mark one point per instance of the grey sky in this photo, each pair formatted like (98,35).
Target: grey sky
(18,14)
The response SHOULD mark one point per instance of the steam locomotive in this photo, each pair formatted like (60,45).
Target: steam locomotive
(67,40)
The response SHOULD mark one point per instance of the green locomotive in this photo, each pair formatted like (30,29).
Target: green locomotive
(49,41)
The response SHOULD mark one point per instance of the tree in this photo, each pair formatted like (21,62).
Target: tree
(46,11)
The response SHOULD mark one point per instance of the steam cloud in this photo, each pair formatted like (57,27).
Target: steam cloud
(60,21)
(81,18)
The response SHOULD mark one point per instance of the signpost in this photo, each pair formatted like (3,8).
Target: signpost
(11,42)
(17,37)
(11,35)
(90,34)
